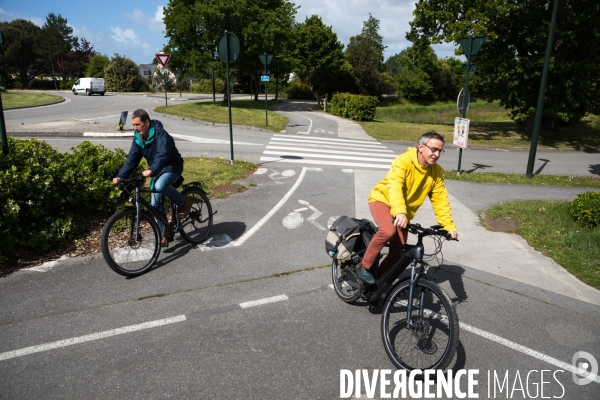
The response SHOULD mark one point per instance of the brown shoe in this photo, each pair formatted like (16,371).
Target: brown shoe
(163,241)
(185,209)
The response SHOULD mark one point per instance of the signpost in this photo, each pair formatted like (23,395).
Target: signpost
(2,124)
(163,60)
(228,49)
(470,47)
(266,60)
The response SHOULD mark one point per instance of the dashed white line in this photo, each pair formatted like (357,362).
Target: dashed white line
(266,300)
(87,338)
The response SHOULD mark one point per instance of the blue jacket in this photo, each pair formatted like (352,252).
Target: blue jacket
(159,150)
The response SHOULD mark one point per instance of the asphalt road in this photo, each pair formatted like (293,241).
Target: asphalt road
(257,318)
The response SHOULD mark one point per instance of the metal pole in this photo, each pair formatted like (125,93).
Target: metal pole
(250,87)
(213,71)
(466,94)
(540,103)
(266,88)
(3,129)
(52,63)
(165,76)
(228,96)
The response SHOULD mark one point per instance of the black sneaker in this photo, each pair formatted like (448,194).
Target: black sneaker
(364,275)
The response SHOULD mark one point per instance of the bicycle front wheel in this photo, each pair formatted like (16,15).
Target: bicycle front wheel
(431,341)
(127,250)
(345,281)
(197,226)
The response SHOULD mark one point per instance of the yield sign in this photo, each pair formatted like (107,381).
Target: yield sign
(163,59)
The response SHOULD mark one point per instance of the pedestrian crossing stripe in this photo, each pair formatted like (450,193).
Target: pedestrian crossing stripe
(327,151)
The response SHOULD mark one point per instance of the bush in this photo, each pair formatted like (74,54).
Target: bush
(66,85)
(586,209)
(43,84)
(206,86)
(47,195)
(299,90)
(354,106)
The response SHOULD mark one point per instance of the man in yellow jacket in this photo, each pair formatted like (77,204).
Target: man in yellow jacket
(395,200)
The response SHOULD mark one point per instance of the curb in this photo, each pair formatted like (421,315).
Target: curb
(218,125)
(39,105)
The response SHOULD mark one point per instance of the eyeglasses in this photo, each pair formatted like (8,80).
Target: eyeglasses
(435,149)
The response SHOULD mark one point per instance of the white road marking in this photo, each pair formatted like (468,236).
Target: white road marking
(87,338)
(266,300)
(108,134)
(335,146)
(319,162)
(331,156)
(391,157)
(91,119)
(215,242)
(242,239)
(315,139)
(292,220)
(261,171)
(529,352)
(347,171)
(309,127)
(196,139)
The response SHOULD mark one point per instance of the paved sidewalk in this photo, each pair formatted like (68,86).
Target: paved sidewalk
(504,254)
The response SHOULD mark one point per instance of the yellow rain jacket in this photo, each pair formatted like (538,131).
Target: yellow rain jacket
(407,183)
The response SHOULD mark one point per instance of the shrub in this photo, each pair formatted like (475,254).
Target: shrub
(586,209)
(47,195)
(206,86)
(43,84)
(66,85)
(354,106)
(299,90)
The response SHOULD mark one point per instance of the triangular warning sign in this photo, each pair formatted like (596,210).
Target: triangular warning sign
(163,59)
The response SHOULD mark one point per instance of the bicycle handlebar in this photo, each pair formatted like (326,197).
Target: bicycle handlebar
(417,229)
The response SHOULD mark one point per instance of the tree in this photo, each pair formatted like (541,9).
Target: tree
(23,52)
(512,56)
(365,54)
(62,45)
(193,28)
(319,53)
(122,75)
(97,65)
(83,54)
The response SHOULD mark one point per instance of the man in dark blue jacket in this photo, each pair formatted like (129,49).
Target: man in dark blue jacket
(153,143)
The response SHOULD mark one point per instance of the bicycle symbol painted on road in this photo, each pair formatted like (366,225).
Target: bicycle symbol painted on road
(294,219)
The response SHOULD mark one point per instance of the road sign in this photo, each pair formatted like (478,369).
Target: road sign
(264,78)
(163,59)
(462,102)
(475,46)
(234,47)
(461,132)
(164,70)
(265,59)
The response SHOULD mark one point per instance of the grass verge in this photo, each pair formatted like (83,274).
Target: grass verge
(516,179)
(243,112)
(19,99)
(548,228)
(490,126)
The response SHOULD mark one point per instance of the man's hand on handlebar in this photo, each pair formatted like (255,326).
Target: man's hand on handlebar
(454,235)
(147,173)
(116,180)
(401,221)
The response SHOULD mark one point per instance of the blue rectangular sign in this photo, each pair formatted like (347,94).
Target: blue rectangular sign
(264,78)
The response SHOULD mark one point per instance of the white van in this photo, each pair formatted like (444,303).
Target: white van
(89,86)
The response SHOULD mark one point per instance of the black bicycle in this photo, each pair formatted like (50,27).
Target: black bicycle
(419,324)
(131,237)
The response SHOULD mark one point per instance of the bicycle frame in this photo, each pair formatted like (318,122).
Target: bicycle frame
(412,255)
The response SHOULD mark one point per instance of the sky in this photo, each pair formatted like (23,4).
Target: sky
(134,28)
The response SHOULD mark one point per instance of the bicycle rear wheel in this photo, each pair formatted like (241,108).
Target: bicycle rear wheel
(345,281)
(197,226)
(125,252)
(432,340)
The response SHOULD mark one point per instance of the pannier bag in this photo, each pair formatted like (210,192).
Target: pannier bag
(342,238)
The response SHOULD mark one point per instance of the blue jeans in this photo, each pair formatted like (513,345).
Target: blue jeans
(163,186)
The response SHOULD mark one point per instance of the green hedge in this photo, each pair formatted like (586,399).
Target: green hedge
(43,84)
(586,209)
(46,195)
(299,90)
(354,106)
(206,86)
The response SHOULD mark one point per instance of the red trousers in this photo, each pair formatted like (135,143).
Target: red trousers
(387,232)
